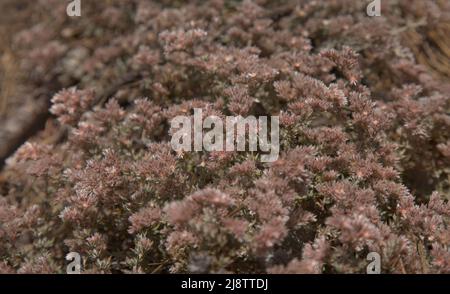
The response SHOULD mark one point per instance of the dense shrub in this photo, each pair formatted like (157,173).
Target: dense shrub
(365,140)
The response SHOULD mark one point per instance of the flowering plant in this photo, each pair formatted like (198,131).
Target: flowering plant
(364,161)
